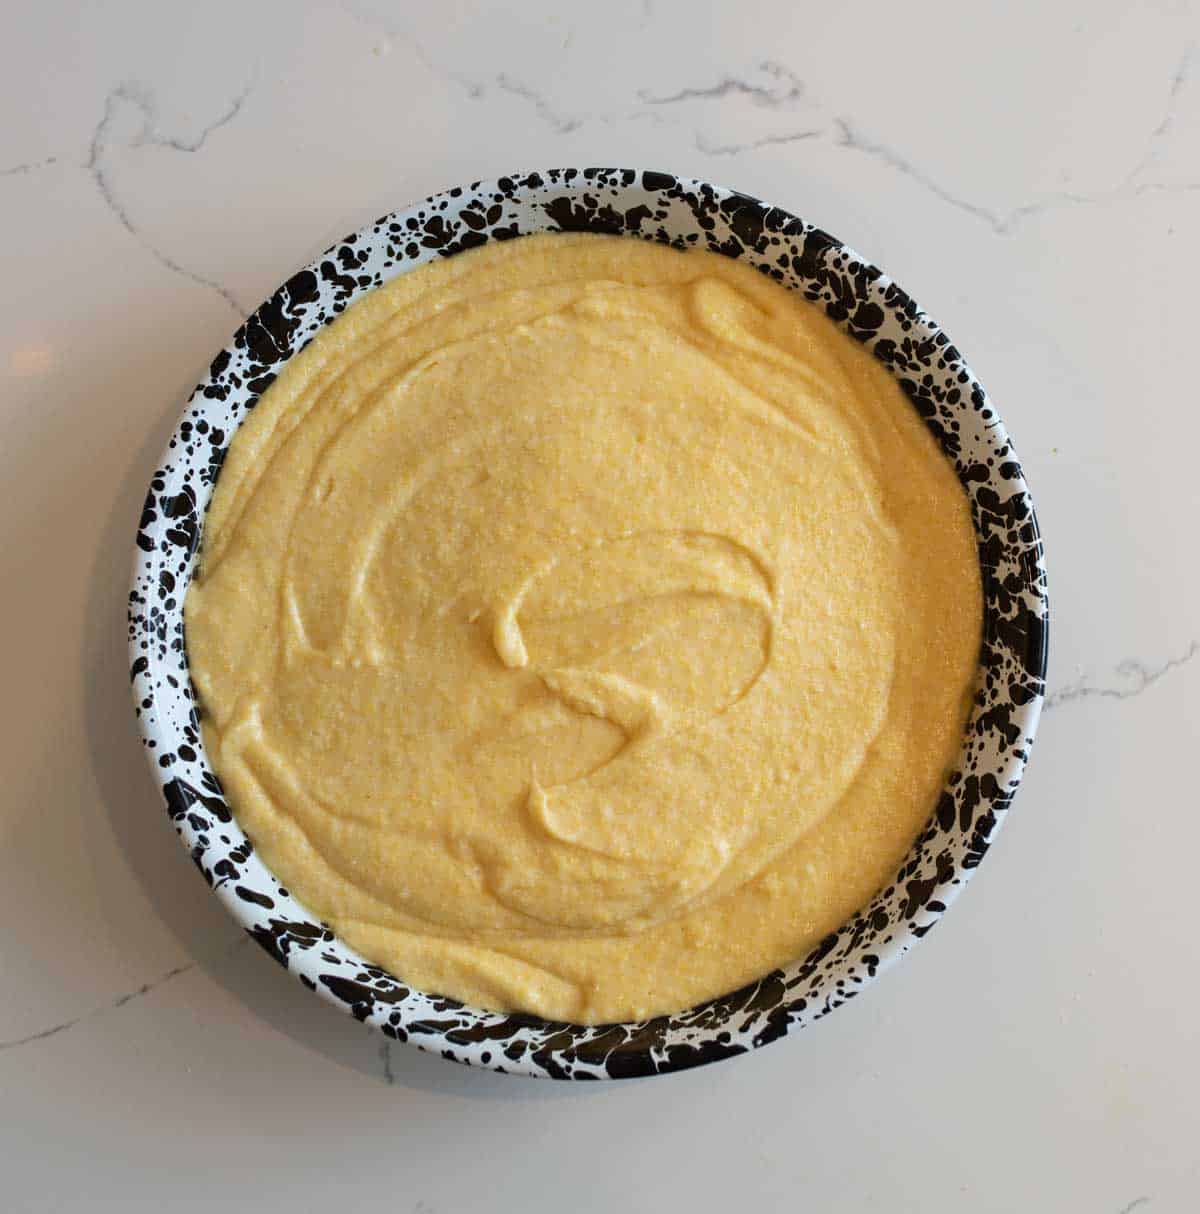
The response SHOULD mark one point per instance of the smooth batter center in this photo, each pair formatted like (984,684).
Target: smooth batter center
(584,627)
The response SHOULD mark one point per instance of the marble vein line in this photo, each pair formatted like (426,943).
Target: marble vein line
(385,1056)
(144,989)
(1130,186)
(1135,678)
(147,987)
(557,122)
(479,89)
(1134,1204)
(785,89)
(767,141)
(850,137)
(19,170)
(1002,224)
(40,1036)
(1180,77)
(154,136)
(390,29)
(119,1002)
(101,174)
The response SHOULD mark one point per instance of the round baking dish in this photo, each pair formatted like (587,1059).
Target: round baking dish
(861,300)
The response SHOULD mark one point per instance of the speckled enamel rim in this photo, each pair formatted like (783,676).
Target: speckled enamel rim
(862,301)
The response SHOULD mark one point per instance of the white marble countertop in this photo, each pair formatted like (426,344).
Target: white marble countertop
(1031,174)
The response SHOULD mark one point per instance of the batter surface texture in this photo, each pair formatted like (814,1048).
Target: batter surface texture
(584,627)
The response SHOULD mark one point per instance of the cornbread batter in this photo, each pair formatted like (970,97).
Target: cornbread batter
(584,627)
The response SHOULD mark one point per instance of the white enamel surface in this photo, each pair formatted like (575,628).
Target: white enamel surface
(1040,1050)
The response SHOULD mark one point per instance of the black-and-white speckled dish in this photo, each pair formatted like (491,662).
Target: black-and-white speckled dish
(866,304)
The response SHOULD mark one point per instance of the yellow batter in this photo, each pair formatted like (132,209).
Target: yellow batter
(585,627)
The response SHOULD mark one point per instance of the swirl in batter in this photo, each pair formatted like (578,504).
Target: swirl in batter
(584,627)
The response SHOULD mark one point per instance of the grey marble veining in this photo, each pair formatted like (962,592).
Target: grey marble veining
(1031,173)
(130,98)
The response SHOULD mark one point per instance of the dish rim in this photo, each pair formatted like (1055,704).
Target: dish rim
(169,535)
